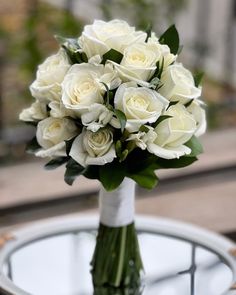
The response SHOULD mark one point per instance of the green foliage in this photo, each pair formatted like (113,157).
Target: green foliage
(154,83)
(92,172)
(72,47)
(112,55)
(172,103)
(122,118)
(176,163)
(171,38)
(143,128)
(108,96)
(118,147)
(148,31)
(124,155)
(73,170)
(111,175)
(146,178)
(198,78)
(141,166)
(69,145)
(55,163)
(33,146)
(131,162)
(116,261)
(160,119)
(189,103)
(158,72)
(195,146)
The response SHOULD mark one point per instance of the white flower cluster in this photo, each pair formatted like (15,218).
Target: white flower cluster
(89,101)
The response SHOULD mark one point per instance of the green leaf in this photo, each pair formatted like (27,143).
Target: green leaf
(124,155)
(71,43)
(69,145)
(176,163)
(140,160)
(146,178)
(160,119)
(72,48)
(122,118)
(54,163)
(195,146)
(73,170)
(172,103)
(189,103)
(159,70)
(112,55)
(161,67)
(91,172)
(144,128)
(171,38)
(198,78)
(33,146)
(118,147)
(107,96)
(148,31)
(154,83)
(84,57)
(111,175)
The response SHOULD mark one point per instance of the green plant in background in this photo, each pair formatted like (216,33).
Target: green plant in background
(142,12)
(23,47)
(53,20)
(33,43)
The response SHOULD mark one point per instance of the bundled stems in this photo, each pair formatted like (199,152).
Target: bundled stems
(116,261)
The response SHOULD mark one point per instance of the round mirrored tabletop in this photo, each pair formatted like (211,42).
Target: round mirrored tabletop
(53,258)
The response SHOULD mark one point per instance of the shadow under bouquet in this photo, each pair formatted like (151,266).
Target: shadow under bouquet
(115,105)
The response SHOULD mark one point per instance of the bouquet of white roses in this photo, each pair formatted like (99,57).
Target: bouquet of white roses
(114,105)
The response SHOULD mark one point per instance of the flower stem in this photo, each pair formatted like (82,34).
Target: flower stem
(121,256)
(116,261)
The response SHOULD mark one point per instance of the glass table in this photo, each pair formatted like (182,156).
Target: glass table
(52,258)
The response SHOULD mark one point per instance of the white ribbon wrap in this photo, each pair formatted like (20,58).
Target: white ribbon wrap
(117,207)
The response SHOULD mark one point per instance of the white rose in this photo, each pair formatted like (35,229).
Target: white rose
(199,114)
(93,148)
(168,57)
(51,135)
(139,62)
(101,36)
(173,133)
(140,105)
(50,74)
(36,112)
(98,116)
(178,84)
(142,138)
(58,110)
(82,86)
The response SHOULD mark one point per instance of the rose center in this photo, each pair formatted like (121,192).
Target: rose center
(136,57)
(98,138)
(84,89)
(138,102)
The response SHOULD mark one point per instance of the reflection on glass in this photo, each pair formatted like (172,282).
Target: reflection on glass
(61,265)
(117,291)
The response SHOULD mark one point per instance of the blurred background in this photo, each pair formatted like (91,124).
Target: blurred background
(205,193)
